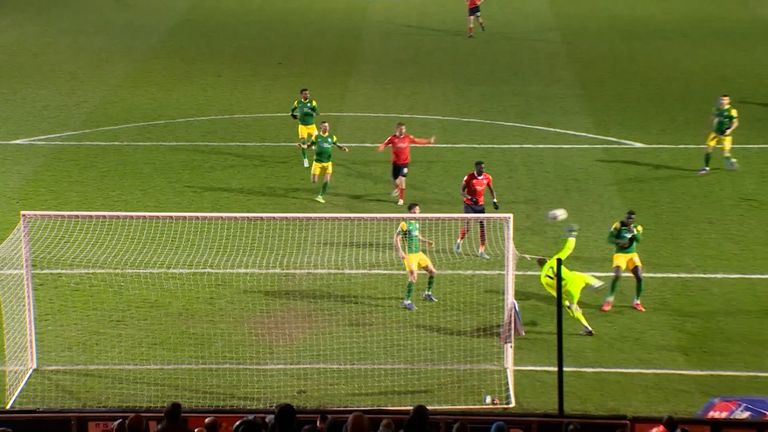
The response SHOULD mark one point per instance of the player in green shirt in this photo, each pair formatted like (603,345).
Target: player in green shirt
(323,144)
(625,235)
(413,258)
(725,119)
(305,110)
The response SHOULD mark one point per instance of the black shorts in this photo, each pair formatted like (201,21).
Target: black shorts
(474,11)
(471,208)
(399,171)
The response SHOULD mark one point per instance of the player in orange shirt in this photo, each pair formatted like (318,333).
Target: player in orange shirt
(401,156)
(474,11)
(473,191)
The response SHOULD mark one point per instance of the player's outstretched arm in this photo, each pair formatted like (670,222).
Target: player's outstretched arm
(428,241)
(293,110)
(342,147)
(424,141)
(382,145)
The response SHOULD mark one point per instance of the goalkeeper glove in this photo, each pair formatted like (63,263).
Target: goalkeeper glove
(572,230)
(294,116)
(495,205)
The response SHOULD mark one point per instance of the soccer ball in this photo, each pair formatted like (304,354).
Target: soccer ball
(558,214)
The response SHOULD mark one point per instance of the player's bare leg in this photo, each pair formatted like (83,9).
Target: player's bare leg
(480,21)
(471,26)
(413,276)
(400,182)
(481,253)
(608,302)
(430,284)
(462,235)
(638,273)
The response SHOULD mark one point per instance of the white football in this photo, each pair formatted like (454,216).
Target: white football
(557,214)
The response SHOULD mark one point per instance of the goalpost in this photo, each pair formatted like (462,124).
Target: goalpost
(249,310)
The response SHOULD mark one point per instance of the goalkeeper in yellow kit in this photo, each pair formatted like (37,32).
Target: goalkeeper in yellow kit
(573,282)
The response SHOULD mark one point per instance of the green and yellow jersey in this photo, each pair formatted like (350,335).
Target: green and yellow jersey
(724,118)
(628,235)
(409,232)
(306,110)
(323,145)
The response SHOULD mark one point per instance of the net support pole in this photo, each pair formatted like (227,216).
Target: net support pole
(29,303)
(509,306)
(559,309)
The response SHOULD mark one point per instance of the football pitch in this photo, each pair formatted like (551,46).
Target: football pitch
(598,107)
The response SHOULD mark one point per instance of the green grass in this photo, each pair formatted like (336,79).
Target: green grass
(642,71)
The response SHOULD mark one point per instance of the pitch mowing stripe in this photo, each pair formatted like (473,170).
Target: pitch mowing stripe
(366,272)
(683,372)
(277,144)
(420,116)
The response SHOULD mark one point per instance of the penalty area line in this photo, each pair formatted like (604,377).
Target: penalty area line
(286,144)
(523,368)
(364,272)
(646,371)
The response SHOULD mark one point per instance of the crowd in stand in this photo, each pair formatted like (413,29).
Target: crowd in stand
(285,419)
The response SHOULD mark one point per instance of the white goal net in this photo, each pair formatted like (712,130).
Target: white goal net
(249,310)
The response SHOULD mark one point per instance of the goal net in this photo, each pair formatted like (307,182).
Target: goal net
(249,310)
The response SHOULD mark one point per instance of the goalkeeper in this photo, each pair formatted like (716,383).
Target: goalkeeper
(573,282)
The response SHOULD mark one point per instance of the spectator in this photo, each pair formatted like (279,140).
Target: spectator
(669,424)
(322,422)
(418,421)
(460,427)
(136,423)
(387,425)
(499,426)
(172,419)
(357,422)
(248,424)
(119,426)
(285,418)
(572,427)
(211,424)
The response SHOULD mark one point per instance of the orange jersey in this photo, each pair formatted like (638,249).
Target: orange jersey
(473,3)
(401,147)
(474,186)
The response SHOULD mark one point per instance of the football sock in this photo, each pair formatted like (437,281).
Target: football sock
(638,289)
(462,234)
(303,150)
(324,188)
(408,291)
(430,284)
(614,285)
(580,316)
(470,30)
(401,192)
(707,158)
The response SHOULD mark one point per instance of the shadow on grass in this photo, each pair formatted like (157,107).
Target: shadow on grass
(760,104)
(391,392)
(646,165)
(478,332)
(310,296)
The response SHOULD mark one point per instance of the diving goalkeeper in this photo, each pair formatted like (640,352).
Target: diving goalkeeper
(573,282)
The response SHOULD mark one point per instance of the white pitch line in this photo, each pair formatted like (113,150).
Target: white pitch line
(646,371)
(683,372)
(365,272)
(285,144)
(419,116)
